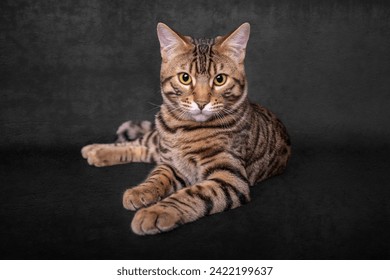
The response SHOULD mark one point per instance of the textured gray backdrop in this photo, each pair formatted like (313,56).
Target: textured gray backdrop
(72,71)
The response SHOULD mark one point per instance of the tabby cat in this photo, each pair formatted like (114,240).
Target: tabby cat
(209,142)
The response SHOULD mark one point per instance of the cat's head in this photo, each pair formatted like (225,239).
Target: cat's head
(202,79)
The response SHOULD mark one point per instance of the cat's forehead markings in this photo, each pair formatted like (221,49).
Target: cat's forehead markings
(203,54)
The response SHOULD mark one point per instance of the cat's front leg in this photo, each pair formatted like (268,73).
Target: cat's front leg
(119,153)
(161,182)
(224,189)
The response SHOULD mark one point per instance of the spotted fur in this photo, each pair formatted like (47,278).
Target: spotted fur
(210,143)
(132,130)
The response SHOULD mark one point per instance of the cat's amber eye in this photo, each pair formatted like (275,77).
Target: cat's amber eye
(220,79)
(185,78)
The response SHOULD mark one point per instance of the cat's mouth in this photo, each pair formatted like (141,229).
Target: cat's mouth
(201,115)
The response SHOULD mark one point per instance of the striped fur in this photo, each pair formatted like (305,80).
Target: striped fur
(210,143)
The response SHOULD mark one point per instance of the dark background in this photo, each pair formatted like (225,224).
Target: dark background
(72,71)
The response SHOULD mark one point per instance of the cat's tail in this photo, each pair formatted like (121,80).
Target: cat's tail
(131,130)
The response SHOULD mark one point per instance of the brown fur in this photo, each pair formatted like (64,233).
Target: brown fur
(210,143)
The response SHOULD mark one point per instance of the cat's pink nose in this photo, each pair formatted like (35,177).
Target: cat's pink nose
(201,104)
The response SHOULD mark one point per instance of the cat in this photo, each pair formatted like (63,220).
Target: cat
(209,142)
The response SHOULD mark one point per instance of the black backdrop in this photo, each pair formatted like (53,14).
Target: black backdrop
(72,71)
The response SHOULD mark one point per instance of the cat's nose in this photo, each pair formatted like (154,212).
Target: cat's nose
(201,104)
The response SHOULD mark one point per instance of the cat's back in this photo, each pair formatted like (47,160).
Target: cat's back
(268,145)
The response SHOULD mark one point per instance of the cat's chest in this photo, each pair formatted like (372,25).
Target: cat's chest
(183,156)
(177,154)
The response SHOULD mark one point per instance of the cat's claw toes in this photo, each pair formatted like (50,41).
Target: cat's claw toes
(95,155)
(134,199)
(86,149)
(155,219)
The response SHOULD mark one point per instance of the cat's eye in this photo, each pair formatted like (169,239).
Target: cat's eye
(185,78)
(220,79)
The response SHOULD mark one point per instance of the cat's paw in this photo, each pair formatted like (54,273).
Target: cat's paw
(139,197)
(97,155)
(155,219)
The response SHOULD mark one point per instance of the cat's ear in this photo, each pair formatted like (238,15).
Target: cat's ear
(170,41)
(235,43)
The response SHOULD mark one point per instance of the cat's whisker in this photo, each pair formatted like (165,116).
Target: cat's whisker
(155,107)
(233,115)
(221,120)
